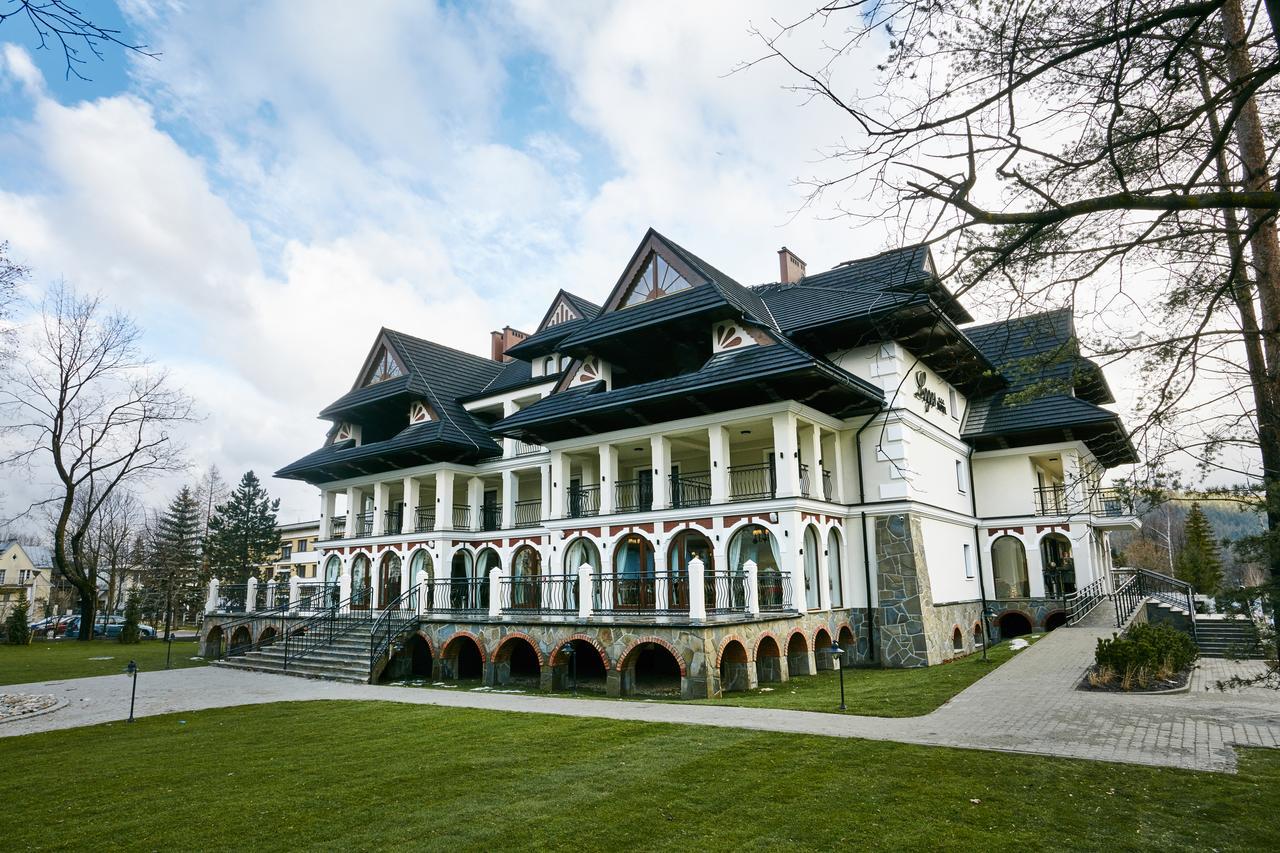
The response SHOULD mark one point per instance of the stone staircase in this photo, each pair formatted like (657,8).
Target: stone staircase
(346,659)
(1228,638)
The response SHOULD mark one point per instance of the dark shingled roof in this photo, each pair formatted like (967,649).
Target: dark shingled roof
(1039,356)
(544,341)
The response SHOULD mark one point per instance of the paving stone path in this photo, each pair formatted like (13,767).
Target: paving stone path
(1029,705)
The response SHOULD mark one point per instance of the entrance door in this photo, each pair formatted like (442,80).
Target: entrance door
(390,580)
(490,512)
(644,488)
(633,587)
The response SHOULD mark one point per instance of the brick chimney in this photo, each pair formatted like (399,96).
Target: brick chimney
(791,268)
(500,342)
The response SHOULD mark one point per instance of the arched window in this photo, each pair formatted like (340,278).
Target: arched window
(389,579)
(1059,566)
(656,280)
(420,562)
(332,570)
(526,566)
(486,561)
(757,544)
(462,592)
(1009,566)
(811,555)
(687,545)
(583,552)
(835,575)
(361,578)
(633,587)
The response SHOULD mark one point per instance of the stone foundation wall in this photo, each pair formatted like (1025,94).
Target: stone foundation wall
(1037,610)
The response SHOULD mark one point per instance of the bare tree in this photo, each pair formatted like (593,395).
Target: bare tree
(115,532)
(11,275)
(86,403)
(55,22)
(1115,157)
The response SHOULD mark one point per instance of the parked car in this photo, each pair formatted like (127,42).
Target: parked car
(57,624)
(109,627)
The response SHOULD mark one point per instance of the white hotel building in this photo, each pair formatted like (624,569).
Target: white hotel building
(701,485)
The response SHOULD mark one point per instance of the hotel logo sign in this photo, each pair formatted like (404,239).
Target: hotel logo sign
(930,398)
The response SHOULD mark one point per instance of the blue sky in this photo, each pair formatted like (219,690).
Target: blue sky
(288,177)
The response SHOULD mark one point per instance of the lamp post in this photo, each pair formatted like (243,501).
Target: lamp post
(836,651)
(573,664)
(132,669)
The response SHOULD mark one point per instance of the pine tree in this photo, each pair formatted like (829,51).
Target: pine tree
(175,556)
(242,532)
(129,633)
(16,627)
(1200,563)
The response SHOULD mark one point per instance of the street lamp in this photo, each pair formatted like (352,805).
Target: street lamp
(836,652)
(573,664)
(132,669)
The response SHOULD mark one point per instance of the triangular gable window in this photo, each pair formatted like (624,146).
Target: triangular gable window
(562,313)
(656,280)
(384,367)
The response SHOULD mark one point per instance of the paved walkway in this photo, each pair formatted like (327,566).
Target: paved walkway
(1027,705)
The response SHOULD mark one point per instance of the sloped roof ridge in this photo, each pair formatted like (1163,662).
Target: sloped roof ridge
(479,359)
(738,293)
(436,399)
(1009,321)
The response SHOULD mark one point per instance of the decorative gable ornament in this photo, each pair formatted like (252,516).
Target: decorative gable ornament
(563,312)
(347,432)
(656,279)
(592,369)
(384,367)
(418,412)
(735,334)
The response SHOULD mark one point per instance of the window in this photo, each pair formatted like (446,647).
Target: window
(960,478)
(301,546)
(656,280)
(286,550)
(25,575)
(968,561)
(951,404)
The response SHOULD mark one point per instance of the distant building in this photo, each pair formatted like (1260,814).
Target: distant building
(25,572)
(298,555)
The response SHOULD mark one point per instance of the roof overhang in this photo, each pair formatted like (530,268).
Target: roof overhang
(1106,439)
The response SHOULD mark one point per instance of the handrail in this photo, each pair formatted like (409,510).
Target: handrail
(320,629)
(390,622)
(228,629)
(1143,584)
(1082,602)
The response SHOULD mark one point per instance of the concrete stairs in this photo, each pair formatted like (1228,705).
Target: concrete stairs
(1228,638)
(346,659)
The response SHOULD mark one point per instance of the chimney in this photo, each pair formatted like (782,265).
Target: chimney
(791,267)
(500,342)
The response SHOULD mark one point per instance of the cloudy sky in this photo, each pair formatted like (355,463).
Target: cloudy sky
(289,177)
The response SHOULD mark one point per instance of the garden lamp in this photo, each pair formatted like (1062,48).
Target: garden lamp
(836,652)
(573,665)
(132,670)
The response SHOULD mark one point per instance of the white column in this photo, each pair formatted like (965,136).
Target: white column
(718,444)
(660,448)
(608,477)
(510,485)
(785,455)
(409,521)
(328,507)
(353,509)
(815,470)
(250,594)
(381,503)
(697,591)
(444,500)
(211,603)
(559,481)
(495,592)
(293,591)
(475,500)
(753,587)
(837,467)
(544,490)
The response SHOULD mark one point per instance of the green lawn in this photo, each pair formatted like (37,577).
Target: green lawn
(872,692)
(50,661)
(368,775)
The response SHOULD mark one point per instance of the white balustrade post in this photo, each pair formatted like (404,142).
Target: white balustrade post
(718,452)
(662,574)
(584,591)
(344,583)
(753,587)
(294,580)
(271,593)
(250,594)
(608,476)
(495,593)
(421,580)
(211,603)
(697,590)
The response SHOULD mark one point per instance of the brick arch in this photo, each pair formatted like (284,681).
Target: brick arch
(592,641)
(657,641)
(271,631)
(813,642)
(431,647)
(747,649)
(755,650)
(951,638)
(797,630)
(519,635)
(484,657)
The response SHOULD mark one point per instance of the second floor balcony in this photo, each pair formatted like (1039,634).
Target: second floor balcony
(1060,499)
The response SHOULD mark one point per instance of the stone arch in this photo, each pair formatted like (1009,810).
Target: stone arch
(241,640)
(976,631)
(1055,619)
(556,657)
(760,639)
(211,647)
(654,641)
(1013,623)
(501,650)
(768,658)
(517,658)
(462,656)
(735,669)
(587,669)
(957,639)
(848,642)
(268,636)
(799,656)
(724,644)
(415,659)
(822,648)
(651,665)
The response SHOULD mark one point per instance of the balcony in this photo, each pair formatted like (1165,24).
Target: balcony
(337,527)
(751,482)
(690,489)
(392,521)
(527,513)
(461,517)
(490,517)
(425,520)
(1101,502)
(633,495)
(363,525)
(583,501)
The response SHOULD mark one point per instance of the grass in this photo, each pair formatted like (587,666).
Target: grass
(371,775)
(872,692)
(59,659)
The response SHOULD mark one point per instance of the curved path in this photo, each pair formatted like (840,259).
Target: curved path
(1027,705)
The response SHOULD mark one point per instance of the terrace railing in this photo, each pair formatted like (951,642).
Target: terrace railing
(583,501)
(1106,502)
(425,520)
(363,525)
(316,596)
(751,482)
(827,488)
(550,594)
(232,598)
(726,592)
(774,590)
(337,527)
(527,513)
(1134,587)
(806,485)
(1082,602)
(693,489)
(461,517)
(323,628)
(454,597)
(392,521)
(633,495)
(490,517)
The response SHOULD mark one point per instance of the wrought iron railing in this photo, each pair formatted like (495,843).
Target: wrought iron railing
(1134,587)
(457,596)
(316,596)
(827,488)
(583,501)
(751,482)
(461,517)
(1112,503)
(1058,499)
(539,594)
(806,485)
(633,495)
(324,627)
(1051,500)
(527,513)
(337,527)
(363,525)
(490,517)
(396,618)
(639,595)
(392,521)
(774,590)
(267,633)
(1082,602)
(727,592)
(231,598)
(693,489)
(425,520)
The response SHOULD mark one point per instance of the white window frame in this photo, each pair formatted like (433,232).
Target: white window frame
(962,481)
(968,561)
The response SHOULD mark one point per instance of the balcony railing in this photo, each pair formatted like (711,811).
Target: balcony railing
(583,501)
(490,517)
(774,590)
(806,487)
(1052,500)
(690,489)
(364,525)
(1059,500)
(392,521)
(827,488)
(457,596)
(1112,503)
(337,527)
(528,513)
(540,593)
(425,520)
(461,517)
(751,482)
(633,495)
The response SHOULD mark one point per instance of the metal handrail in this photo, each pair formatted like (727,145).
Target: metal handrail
(583,501)
(461,517)
(527,513)
(751,482)
(691,489)
(425,520)
(321,629)
(539,593)
(1082,602)
(391,622)
(255,643)
(633,495)
(1142,584)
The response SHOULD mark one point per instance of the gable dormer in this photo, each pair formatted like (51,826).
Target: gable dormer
(383,365)
(656,279)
